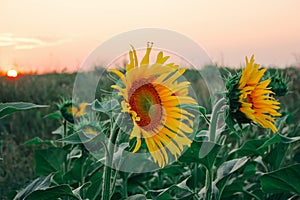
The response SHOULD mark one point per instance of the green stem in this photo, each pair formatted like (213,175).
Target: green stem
(113,185)
(208,184)
(108,161)
(116,173)
(125,186)
(65,128)
(63,144)
(212,137)
(214,119)
(65,125)
(196,176)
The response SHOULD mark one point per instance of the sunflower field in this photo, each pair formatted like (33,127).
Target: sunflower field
(152,131)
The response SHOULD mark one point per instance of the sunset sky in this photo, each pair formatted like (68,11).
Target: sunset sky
(41,36)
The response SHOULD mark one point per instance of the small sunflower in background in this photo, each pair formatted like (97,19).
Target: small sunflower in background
(70,110)
(153,96)
(251,99)
(91,132)
(89,126)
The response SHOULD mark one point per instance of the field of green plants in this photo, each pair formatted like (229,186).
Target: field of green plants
(37,161)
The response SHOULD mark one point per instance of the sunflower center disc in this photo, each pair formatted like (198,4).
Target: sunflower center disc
(146,102)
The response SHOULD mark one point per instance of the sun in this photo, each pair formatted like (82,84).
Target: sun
(12,73)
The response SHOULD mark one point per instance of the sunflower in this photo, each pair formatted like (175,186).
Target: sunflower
(69,110)
(153,96)
(89,125)
(251,99)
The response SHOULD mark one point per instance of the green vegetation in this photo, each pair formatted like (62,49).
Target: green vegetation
(250,165)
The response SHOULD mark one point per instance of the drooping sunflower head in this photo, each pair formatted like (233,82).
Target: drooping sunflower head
(250,99)
(70,110)
(153,95)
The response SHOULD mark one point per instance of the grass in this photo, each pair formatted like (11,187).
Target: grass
(16,168)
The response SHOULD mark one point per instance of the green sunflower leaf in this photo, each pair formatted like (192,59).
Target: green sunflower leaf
(49,160)
(137,197)
(78,168)
(75,138)
(251,147)
(81,189)
(54,115)
(202,152)
(279,138)
(200,109)
(95,178)
(230,167)
(285,139)
(276,156)
(282,180)
(106,106)
(179,191)
(226,170)
(40,183)
(273,140)
(37,140)
(53,193)
(8,108)
(59,131)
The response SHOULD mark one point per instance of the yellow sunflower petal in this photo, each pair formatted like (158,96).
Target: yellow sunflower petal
(134,57)
(119,74)
(161,59)
(145,60)
(138,145)
(256,98)
(130,65)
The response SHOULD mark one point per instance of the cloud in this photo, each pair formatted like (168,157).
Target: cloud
(22,43)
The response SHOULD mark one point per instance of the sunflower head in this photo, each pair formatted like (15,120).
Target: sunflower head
(250,99)
(153,96)
(89,126)
(70,110)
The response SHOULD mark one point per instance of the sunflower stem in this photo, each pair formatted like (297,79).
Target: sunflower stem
(214,119)
(212,137)
(196,176)
(113,185)
(125,186)
(208,184)
(63,144)
(108,161)
(66,162)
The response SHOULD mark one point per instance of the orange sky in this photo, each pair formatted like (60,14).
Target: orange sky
(40,35)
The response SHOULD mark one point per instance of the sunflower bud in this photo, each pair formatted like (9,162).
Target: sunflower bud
(89,126)
(69,110)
